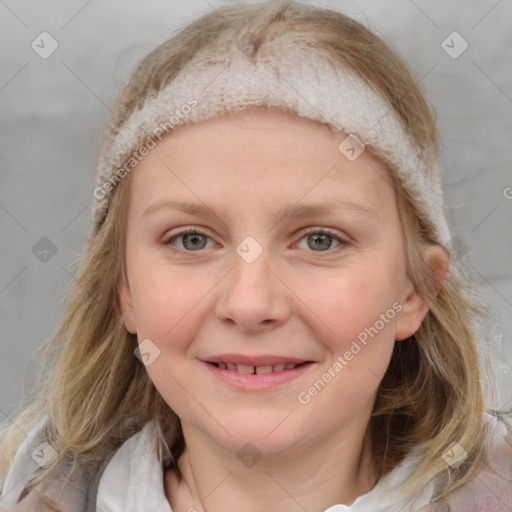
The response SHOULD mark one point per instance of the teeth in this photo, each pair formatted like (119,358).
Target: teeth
(263,369)
(259,370)
(245,368)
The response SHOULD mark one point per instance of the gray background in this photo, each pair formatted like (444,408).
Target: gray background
(52,111)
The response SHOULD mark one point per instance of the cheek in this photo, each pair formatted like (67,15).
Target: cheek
(168,301)
(171,304)
(355,317)
(348,303)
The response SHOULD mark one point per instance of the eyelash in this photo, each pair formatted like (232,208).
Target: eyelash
(315,231)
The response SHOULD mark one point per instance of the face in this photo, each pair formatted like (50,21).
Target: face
(284,253)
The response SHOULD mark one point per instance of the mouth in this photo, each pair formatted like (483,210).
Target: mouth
(256,373)
(247,369)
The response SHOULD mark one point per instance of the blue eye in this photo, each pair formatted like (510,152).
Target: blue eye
(193,239)
(322,239)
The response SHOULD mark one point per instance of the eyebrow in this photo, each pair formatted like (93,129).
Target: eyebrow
(296,210)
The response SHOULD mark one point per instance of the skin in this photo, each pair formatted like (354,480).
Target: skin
(297,299)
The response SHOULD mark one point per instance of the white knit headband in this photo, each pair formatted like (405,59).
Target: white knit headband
(293,79)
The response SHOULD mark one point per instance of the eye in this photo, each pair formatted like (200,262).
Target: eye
(194,239)
(322,239)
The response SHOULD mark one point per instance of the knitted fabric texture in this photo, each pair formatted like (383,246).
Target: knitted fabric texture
(298,80)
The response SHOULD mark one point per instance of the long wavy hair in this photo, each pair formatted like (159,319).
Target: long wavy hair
(97,394)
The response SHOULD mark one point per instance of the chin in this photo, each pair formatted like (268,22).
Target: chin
(266,436)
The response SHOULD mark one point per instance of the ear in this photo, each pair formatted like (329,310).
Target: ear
(126,308)
(415,308)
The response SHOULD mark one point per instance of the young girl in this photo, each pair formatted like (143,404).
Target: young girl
(266,316)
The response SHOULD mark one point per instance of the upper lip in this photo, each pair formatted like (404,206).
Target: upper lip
(263,360)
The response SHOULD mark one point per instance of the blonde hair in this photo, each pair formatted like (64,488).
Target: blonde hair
(97,393)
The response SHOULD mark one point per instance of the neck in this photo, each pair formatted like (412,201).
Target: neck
(334,470)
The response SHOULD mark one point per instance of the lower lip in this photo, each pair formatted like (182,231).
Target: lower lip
(255,382)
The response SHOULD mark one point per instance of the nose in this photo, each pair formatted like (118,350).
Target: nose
(253,296)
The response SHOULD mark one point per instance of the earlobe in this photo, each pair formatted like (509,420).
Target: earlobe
(126,308)
(415,308)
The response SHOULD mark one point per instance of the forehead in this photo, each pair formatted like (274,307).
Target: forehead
(263,155)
